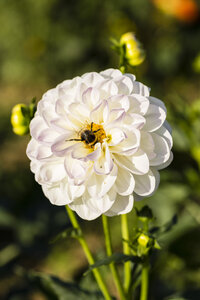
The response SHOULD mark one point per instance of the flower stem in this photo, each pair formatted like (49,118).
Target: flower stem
(109,253)
(88,254)
(122,61)
(145,281)
(145,271)
(125,237)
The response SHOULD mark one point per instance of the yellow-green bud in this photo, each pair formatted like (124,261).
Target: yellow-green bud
(127,37)
(143,240)
(21,130)
(133,51)
(20,119)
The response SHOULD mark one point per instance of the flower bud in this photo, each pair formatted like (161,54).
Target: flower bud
(143,240)
(144,214)
(134,54)
(20,119)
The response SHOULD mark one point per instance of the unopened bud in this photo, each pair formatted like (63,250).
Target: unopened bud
(144,214)
(134,54)
(20,119)
(143,240)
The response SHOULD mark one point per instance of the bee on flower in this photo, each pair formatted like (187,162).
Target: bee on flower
(98,142)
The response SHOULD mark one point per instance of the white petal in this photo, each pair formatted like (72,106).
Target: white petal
(43,153)
(157,102)
(122,205)
(104,164)
(104,203)
(52,172)
(161,149)
(76,169)
(129,145)
(76,122)
(37,125)
(99,185)
(79,90)
(72,191)
(63,145)
(167,126)
(155,117)
(107,88)
(48,136)
(111,73)
(167,163)
(35,151)
(138,87)
(116,135)
(61,125)
(146,184)
(91,98)
(136,164)
(96,114)
(55,195)
(84,210)
(162,131)
(125,182)
(80,111)
(34,166)
(124,85)
(115,116)
(147,144)
(80,151)
(91,79)
(50,96)
(119,102)
(46,110)
(61,108)
(138,104)
(94,155)
(133,120)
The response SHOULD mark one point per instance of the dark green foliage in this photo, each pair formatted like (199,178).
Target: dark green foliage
(56,289)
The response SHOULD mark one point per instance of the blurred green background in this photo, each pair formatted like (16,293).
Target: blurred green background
(43,42)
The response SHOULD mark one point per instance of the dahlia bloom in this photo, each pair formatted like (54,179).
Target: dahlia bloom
(98,142)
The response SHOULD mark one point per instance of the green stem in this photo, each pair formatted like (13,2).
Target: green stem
(145,281)
(122,61)
(145,270)
(126,250)
(109,252)
(88,254)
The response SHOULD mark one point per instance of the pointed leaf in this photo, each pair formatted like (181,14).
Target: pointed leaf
(115,258)
(68,233)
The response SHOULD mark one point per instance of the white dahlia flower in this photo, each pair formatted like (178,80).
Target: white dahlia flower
(98,142)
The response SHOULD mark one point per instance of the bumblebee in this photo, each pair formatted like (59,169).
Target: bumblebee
(88,136)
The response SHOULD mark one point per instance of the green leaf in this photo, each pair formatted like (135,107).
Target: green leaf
(115,258)
(56,289)
(25,112)
(68,233)
(114,42)
(166,227)
(176,298)
(32,107)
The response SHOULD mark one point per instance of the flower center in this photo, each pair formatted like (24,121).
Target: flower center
(93,133)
